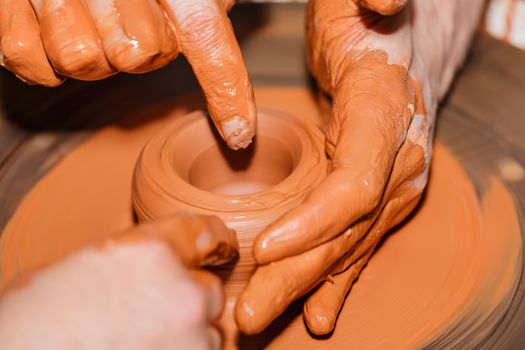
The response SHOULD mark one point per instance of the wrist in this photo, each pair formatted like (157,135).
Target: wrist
(441,44)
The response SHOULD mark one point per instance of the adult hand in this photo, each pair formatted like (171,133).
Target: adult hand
(386,64)
(141,290)
(42,41)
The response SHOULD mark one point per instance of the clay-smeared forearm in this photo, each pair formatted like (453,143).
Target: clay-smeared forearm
(441,52)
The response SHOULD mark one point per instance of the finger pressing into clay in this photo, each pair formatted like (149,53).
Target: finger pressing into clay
(372,108)
(322,307)
(274,286)
(197,240)
(207,40)
(136,35)
(21,49)
(383,7)
(212,285)
(70,39)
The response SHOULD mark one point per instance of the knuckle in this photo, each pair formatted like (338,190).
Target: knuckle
(129,58)
(12,50)
(199,24)
(22,61)
(79,55)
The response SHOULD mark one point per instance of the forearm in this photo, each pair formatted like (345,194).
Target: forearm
(443,31)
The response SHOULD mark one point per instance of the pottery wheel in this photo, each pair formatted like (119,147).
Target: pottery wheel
(481,123)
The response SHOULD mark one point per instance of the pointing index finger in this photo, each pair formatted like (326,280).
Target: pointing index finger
(207,40)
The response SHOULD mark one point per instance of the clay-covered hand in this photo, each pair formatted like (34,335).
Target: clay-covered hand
(141,290)
(385,64)
(42,41)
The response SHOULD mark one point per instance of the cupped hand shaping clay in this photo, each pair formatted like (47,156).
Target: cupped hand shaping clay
(385,64)
(443,280)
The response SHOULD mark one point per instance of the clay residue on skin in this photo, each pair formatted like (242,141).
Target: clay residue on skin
(21,48)
(136,35)
(445,277)
(216,59)
(379,145)
(378,114)
(94,39)
(70,39)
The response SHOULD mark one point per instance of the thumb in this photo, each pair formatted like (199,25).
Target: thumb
(207,40)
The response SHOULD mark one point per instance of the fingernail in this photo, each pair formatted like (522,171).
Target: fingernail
(237,132)
(319,324)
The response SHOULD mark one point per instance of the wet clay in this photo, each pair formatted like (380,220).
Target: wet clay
(184,168)
(445,278)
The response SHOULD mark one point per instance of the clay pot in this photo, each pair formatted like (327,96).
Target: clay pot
(187,167)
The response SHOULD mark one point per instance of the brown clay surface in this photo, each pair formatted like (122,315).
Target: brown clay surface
(446,277)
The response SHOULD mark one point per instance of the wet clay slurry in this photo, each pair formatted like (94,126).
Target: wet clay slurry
(444,278)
